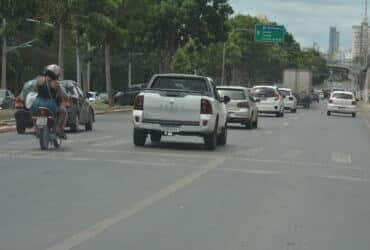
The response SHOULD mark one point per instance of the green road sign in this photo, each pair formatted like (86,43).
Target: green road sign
(269,33)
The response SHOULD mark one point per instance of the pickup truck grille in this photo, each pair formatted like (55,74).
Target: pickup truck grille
(171,123)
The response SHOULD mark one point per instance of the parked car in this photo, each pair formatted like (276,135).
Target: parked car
(7,99)
(290,101)
(185,105)
(269,100)
(79,110)
(103,97)
(92,96)
(242,107)
(342,102)
(126,97)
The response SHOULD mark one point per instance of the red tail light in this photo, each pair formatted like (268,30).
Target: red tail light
(139,103)
(330,101)
(205,107)
(44,112)
(354,103)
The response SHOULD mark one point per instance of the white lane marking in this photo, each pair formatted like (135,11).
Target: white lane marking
(112,143)
(106,223)
(286,124)
(251,152)
(367,123)
(342,158)
(292,154)
(249,171)
(269,132)
(345,178)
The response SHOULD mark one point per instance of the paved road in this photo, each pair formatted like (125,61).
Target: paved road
(299,182)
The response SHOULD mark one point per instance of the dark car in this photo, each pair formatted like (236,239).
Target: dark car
(79,110)
(7,99)
(126,97)
(315,97)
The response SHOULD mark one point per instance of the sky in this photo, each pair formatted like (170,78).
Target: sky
(308,20)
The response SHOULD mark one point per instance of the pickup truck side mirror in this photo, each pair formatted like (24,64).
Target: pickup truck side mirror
(227,99)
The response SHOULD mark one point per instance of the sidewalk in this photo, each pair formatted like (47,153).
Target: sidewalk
(364,109)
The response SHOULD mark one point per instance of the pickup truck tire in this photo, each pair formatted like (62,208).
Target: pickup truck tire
(222,138)
(294,110)
(354,115)
(210,140)
(139,137)
(329,113)
(155,137)
(249,124)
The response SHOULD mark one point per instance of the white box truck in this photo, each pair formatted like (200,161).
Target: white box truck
(300,82)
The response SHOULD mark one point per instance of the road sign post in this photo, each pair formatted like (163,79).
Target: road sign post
(269,33)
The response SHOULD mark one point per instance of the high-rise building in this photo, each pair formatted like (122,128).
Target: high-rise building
(360,41)
(333,42)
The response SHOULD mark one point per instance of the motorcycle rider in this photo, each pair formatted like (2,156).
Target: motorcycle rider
(52,96)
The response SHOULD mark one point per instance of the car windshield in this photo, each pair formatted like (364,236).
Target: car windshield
(343,96)
(180,83)
(263,92)
(234,94)
(285,92)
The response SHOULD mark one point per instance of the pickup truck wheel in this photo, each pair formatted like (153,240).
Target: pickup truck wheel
(354,115)
(329,113)
(222,138)
(139,137)
(210,140)
(294,110)
(155,137)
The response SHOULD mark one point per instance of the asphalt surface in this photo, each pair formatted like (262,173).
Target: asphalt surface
(298,182)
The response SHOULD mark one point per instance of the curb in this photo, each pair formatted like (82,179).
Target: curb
(7,129)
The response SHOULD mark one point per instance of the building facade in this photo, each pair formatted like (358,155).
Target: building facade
(360,42)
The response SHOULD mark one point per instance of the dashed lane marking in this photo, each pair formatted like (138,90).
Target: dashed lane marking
(249,171)
(292,154)
(342,158)
(99,227)
(345,178)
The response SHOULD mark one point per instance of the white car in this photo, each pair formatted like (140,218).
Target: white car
(342,102)
(242,107)
(290,101)
(268,100)
(175,104)
(93,96)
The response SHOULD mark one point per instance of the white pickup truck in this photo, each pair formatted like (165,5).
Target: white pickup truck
(175,104)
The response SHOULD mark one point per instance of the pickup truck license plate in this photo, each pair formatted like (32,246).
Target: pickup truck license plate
(41,121)
(170,130)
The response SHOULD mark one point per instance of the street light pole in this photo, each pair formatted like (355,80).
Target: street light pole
(223,64)
(3,65)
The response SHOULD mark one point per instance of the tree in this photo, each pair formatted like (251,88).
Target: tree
(12,14)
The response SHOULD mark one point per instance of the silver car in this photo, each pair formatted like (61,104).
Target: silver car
(343,102)
(242,107)
(290,101)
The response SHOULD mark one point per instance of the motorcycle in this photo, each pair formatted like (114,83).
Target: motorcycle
(45,128)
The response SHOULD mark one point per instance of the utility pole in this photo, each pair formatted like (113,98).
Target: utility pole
(88,67)
(4,52)
(129,84)
(78,61)
(223,64)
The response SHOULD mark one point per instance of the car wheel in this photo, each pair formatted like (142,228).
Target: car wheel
(75,126)
(278,114)
(255,124)
(139,137)
(329,113)
(89,124)
(210,140)
(155,137)
(354,115)
(222,138)
(294,110)
(249,124)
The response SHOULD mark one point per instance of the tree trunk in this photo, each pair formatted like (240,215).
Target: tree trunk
(78,60)
(3,65)
(88,70)
(107,73)
(60,51)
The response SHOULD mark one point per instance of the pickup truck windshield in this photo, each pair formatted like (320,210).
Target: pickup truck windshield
(179,83)
(234,94)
